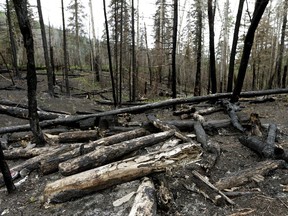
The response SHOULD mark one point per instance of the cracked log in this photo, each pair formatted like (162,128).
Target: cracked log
(23,153)
(99,178)
(50,165)
(240,178)
(145,203)
(105,154)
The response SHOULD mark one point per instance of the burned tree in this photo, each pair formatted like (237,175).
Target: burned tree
(25,27)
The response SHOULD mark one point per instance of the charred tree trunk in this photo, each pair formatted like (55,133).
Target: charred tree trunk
(174,73)
(197,88)
(6,173)
(234,47)
(260,6)
(212,64)
(45,49)
(25,27)
(12,41)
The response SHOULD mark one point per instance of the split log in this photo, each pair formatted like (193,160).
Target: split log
(23,113)
(140,109)
(165,127)
(51,164)
(105,154)
(84,183)
(208,190)
(145,203)
(264,149)
(242,177)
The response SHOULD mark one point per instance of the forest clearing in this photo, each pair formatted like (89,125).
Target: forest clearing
(117,126)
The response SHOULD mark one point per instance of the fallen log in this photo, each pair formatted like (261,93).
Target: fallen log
(264,149)
(200,134)
(84,183)
(23,153)
(242,177)
(272,133)
(23,113)
(51,164)
(77,136)
(105,154)
(145,203)
(165,127)
(140,109)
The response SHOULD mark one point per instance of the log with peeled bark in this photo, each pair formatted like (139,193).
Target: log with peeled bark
(105,154)
(140,109)
(145,203)
(50,165)
(165,127)
(243,176)
(99,178)
(200,134)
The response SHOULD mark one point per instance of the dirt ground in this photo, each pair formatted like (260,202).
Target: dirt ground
(267,197)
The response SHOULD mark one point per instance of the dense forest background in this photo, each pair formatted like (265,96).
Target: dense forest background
(140,62)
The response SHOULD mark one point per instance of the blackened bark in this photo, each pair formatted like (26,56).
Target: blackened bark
(25,27)
(197,88)
(258,12)
(234,47)
(45,49)
(175,24)
(6,173)
(109,55)
(65,52)
(12,41)
(212,64)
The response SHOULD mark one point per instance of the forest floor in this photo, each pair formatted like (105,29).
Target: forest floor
(266,197)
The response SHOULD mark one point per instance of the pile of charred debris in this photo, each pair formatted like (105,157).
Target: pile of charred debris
(93,152)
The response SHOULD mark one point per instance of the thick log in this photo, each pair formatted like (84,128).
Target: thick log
(23,153)
(105,154)
(50,165)
(140,109)
(23,113)
(165,127)
(145,203)
(242,177)
(84,183)
(78,136)
(263,148)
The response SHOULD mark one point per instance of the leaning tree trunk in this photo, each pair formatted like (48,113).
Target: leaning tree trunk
(45,49)
(258,12)
(234,47)
(25,27)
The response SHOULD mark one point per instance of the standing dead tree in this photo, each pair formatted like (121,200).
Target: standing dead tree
(260,6)
(25,27)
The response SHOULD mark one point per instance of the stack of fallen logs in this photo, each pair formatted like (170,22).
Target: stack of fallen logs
(89,163)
